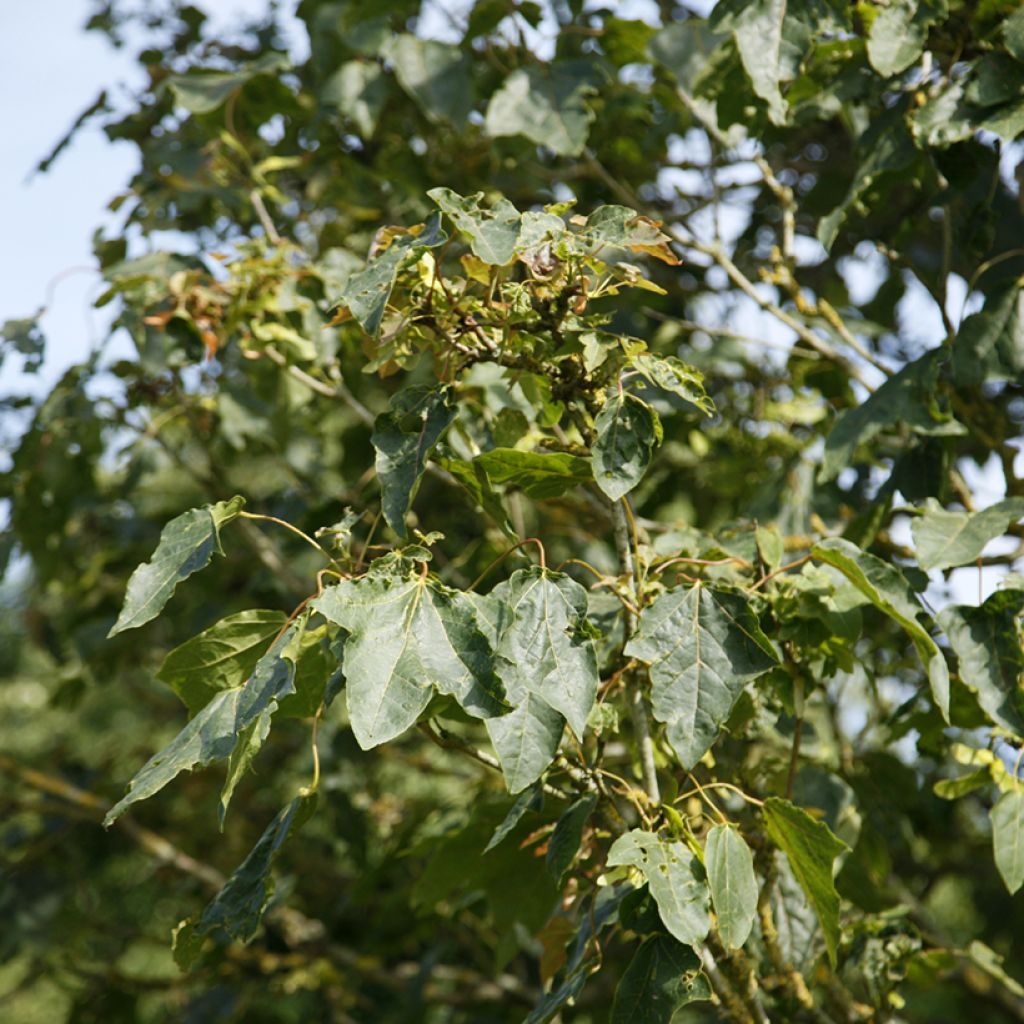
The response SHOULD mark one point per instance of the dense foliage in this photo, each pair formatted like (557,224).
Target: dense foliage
(541,488)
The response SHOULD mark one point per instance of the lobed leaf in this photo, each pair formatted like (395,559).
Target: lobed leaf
(703,647)
(493,233)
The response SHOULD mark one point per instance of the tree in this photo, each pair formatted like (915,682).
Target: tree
(587,633)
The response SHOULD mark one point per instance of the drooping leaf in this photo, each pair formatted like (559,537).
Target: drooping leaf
(366,292)
(436,75)
(1008,837)
(473,478)
(674,376)
(187,544)
(623,228)
(407,638)
(675,879)
(216,731)
(662,977)
(546,104)
(202,92)
(898,33)
(887,589)
(239,907)
(989,346)
(531,799)
(703,647)
(546,648)
(730,868)
(945,539)
(539,475)
(565,840)
(628,431)
(811,849)
(493,233)
(403,438)
(988,646)
(220,657)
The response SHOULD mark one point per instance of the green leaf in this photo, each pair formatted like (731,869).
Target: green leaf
(546,104)
(403,437)
(565,839)
(987,643)
(220,657)
(628,431)
(1013,34)
(546,647)
(887,589)
(673,375)
(239,907)
(623,228)
(359,89)
(493,233)
(538,475)
(989,346)
(769,48)
(366,293)
(1008,837)
(811,848)
(216,731)
(662,977)
(531,799)
(953,789)
(944,539)
(525,740)
(408,636)
(675,879)
(187,544)
(436,75)
(899,31)
(202,92)
(474,480)
(906,399)
(885,148)
(703,647)
(730,869)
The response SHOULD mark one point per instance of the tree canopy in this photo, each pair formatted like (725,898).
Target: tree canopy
(551,552)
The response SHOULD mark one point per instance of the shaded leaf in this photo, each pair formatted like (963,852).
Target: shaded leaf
(545,104)
(703,647)
(944,539)
(366,292)
(887,589)
(403,438)
(221,657)
(1008,837)
(628,431)
(565,839)
(202,92)
(675,879)
(216,731)
(987,643)
(525,740)
(238,908)
(730,868)
(673,375)
(436,75)
(359,89)
(898,33)
(472,477)
(662,977)
(187,543)
(989,346)
(531,799)
(811,849)
(408,637)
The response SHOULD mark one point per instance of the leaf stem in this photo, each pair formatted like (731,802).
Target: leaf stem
(259,517)
(501,558)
